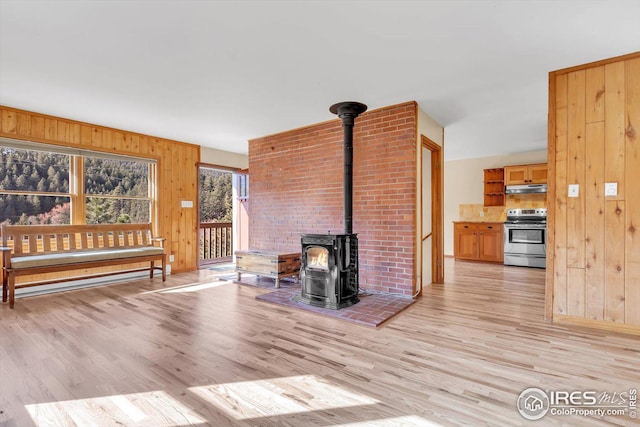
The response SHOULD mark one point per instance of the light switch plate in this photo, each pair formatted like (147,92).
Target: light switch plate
(574,190)
(187,204)
(611,189)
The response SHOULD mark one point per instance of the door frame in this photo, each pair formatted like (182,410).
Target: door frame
(201,165)
(437,208)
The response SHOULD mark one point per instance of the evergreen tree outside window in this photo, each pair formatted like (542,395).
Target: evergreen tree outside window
(34,187)
(117,191)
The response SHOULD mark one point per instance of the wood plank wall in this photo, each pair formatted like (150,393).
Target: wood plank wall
(593,274)
(177,172)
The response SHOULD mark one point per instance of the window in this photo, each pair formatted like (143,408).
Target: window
(243,186)
(116,191)
(47,184)
(34,187)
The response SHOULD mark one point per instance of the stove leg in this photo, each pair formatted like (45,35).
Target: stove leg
(277,282)
(239,276)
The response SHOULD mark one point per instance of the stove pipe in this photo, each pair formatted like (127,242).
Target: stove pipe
(348,111)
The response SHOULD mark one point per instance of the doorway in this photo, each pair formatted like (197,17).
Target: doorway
(432,231)
(215,224)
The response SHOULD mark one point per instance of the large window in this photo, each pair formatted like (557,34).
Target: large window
(42,184)
(116,191)
(34,187)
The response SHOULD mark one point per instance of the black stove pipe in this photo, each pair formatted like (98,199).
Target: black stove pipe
(348,111)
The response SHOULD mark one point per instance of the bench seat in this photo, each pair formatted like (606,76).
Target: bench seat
(66,258)
(31,250)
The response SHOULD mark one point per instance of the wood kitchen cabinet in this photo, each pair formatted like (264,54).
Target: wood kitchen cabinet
(525,174)
(494,187)
(478,241)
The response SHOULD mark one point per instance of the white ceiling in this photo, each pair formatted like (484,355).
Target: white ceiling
(217,73)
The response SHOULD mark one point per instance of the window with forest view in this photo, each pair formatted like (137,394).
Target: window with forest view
(41,187)
(34,187)
(116,191)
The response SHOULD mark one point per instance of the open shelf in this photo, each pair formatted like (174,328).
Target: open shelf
(494,187)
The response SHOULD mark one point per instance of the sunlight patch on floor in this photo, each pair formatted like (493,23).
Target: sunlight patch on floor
(192,287)
(407,421)
(279,396)
(152,409)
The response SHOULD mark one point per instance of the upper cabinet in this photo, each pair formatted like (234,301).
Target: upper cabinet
(494,187)
(525,174)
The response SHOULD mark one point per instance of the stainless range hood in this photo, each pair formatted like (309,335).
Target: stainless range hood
(526,189)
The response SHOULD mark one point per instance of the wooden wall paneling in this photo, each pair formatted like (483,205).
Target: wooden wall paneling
(576,291)
(176,217)
(37,127)
(560,200)
(594,95)
(107,139)
(23,125)
(85,135)
(551,188)
(576,168)
(632,175)
(50,129)
(41,128)
(185,213)
(8,121)
(594,241)
(194,217)
(63,132)
(614,260)
(96,137)
(615,126)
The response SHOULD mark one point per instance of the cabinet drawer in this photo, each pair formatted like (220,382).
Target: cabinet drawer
(490,226)
(466,226)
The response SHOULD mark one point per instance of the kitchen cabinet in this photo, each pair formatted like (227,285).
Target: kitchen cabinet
(494,187)
(525,174)
(478,241)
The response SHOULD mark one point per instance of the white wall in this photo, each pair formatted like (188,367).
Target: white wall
(428,127)
(463,184)
(223,158)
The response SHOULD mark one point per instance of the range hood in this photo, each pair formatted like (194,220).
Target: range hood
(526,189)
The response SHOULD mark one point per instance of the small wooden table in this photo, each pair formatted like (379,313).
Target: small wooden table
(269,264)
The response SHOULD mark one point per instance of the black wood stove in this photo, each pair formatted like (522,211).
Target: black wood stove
(329,265)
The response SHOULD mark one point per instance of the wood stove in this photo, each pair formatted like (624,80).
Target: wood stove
(329,265)
(330,274)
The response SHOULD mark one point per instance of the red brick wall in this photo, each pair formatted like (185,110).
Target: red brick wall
(296,187)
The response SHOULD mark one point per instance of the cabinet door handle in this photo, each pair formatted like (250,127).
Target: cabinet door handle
(481,234)
(466,226)
(491,226)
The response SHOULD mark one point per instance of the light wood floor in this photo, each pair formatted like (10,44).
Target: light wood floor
(195,351)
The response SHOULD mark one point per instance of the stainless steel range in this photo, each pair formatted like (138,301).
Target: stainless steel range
(525,237)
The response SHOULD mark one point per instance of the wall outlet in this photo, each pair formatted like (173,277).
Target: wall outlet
(187,204)
(574,190)
(481,214)
(611,189)
(172,258)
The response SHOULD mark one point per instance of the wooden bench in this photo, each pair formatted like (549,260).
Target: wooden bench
(38,249)
(268,264)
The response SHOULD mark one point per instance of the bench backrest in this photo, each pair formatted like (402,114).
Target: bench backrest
(38,239)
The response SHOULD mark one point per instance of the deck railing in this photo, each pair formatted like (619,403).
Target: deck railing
(216,242)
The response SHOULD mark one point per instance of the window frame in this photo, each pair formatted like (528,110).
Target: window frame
(76,195)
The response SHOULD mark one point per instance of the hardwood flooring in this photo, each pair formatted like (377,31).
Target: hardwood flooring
(197,351)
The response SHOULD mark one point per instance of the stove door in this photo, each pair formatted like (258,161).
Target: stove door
(525,239)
